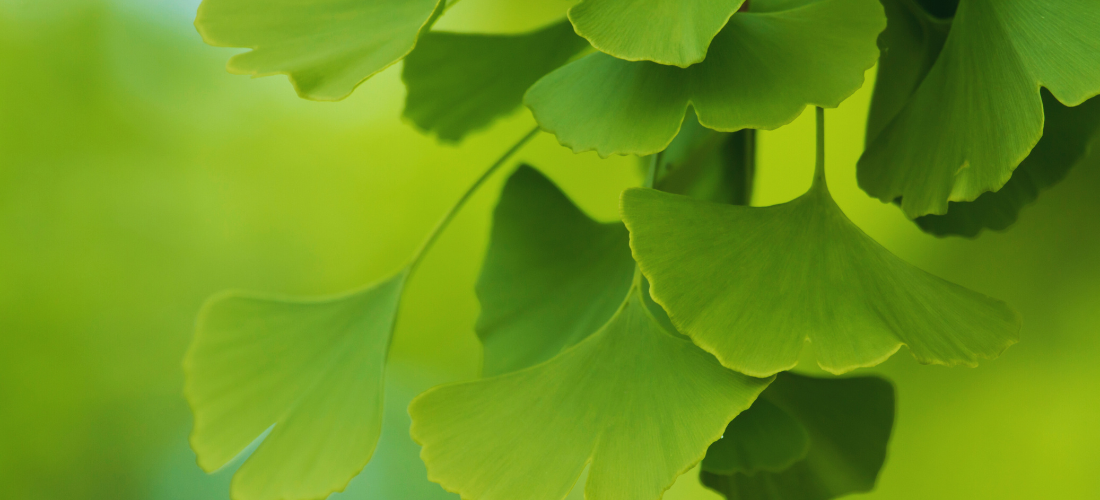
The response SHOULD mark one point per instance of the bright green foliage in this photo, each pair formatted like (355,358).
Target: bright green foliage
(458,82)
(675,32)
(762,438)
(634,403)
(326,47)
(753,285)
(849,423)
(763,68)
(978,112)
(709,165)
(311,368)
(1067,135)
(551,277)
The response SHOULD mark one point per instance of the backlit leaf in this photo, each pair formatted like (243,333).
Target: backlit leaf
(632,402)
(325,47)
(849,423)
(552,275)
(675,32)
(762,438)
(311,368)
(763,68)
(978,112)
(459,82)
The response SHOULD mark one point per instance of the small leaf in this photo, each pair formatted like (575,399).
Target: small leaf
(458,83)
(672,32)
(753,285)
(762,70)
(311,368)
(978,113)
(552,275)
(326,47)
(762,438)
(634,403)
(849,423)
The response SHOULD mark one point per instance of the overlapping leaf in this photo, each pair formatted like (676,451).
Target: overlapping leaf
(848,422)
(675,32)
(762,69)
(753,285)
(325,47)
(762,438)
(552,275)
(978,112)
(311,368)
(458,82)
(709,165)
(635,404)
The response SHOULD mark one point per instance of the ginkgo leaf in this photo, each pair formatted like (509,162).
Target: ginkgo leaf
(762,438)
(978,112)
(325,47)
(763,68)
(458,82)
(635,404)
(675,32)
(1067,134)
(709,165)
(551,277)
(752,285)
(311,368)
(849,422)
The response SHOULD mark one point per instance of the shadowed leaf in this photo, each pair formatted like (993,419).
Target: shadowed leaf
(762,438)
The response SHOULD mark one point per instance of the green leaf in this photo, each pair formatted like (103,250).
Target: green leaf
(763,69)
(849,423)
(671,32)
(978,112)
(325,47)
(458,83)
(311,368)
(635,404)
(753,285)
(762,438)
(551,277)
(708,165)
(1067,134)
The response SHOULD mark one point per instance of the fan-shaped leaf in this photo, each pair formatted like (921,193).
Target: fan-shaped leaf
(311,368)
(849,423)
(637,404)
(675,32)
(752,285)
(552,275)
(326,47)
(461,82)
(762,438)
(763,68)
(978,112)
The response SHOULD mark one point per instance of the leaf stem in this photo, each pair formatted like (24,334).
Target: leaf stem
(450,215)
(819,164)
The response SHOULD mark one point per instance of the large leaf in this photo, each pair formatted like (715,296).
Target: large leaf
(552,275)
(311,368)
(326,47)
(763,68)
(762,438)
(635,404)
(978,112)
(458,83)
(849,423)
(675,32)
(753,285)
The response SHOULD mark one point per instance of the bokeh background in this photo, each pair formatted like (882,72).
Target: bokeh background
(137,177)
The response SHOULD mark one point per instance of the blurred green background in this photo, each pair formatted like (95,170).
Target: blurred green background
(137,177)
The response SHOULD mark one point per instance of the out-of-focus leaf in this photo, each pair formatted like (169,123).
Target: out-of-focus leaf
(849,423)
(709,165)
(311,368)
(978,112)
(762,438)
(675,32)
(635,404)
(325,47)
(753,285)
(762,70)
(459,82)
(551,277)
